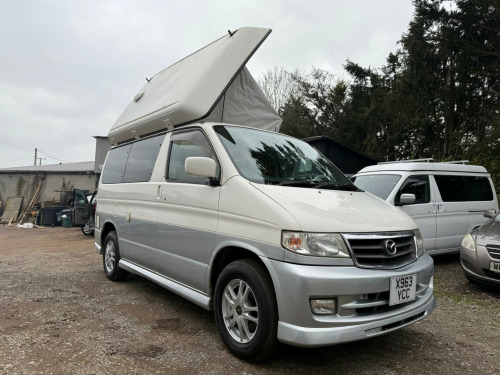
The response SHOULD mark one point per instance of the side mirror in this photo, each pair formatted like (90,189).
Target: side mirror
(489,213)
(201,167)
(407,198)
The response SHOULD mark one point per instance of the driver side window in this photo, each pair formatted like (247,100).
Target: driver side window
(185,144)
(417,185)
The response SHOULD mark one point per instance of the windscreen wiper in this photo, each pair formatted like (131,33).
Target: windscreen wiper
(333,186)
(305,183)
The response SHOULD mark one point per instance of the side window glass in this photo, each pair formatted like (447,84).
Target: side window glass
(142,159)
(479,189)
(185,144)
(80,197)
(114,168)
(451,188)
(417,185)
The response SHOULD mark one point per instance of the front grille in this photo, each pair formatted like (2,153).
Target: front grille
(382,250)
(403,322)
(374,303)
(491,274)
(494,251)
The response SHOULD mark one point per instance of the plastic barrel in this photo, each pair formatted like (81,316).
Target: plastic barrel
(66,222)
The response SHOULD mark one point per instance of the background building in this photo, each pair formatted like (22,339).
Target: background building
(52,184)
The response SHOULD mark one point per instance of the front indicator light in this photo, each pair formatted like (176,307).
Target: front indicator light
(323,306)
(419,239)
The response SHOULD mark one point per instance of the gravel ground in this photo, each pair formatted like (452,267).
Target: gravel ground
(60,315)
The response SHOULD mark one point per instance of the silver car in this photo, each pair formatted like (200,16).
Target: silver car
(480,251)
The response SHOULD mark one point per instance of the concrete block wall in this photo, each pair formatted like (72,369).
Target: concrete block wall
(25,184)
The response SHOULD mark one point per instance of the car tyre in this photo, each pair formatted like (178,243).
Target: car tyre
(111,257)
(87,230)
(245,310)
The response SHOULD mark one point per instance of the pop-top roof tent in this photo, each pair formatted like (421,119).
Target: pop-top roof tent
(212,84)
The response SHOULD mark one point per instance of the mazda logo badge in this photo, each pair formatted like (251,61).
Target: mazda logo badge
(390,247)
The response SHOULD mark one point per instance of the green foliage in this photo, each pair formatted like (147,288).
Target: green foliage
(438,96)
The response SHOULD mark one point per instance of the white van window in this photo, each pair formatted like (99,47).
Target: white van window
(271,158)
(185,144)
(417,185)
(478,188)
(142,158)
(379,185)
(114,168)
(451,188)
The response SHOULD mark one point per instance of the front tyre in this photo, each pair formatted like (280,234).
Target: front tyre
(111,257)
(87,230)
(245,310)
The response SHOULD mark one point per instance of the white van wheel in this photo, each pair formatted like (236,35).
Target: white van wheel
(111,257)
(245,310)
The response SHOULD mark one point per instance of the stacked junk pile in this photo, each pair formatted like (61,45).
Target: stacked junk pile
(37,212)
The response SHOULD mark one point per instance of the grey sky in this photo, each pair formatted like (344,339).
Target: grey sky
(69,68)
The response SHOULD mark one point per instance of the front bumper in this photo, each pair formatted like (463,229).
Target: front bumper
(362,297)
(314,337)
(477,264)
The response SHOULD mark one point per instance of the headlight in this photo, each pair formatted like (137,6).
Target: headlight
(315,244)
(420,243)
(468,243)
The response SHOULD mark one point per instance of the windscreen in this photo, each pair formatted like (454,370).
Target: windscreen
(380,185)
(275,159)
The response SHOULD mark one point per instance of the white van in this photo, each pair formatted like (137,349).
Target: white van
(446,200)
(254,225)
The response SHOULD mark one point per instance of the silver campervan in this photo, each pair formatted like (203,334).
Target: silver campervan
(252,224)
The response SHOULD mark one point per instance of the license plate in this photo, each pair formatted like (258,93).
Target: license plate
(403,289)
(495,267)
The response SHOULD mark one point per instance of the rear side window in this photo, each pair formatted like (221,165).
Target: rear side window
(114,168)
(452,188)
(142,158)
(464,188)
(132,163)
(417,185)
(479,188)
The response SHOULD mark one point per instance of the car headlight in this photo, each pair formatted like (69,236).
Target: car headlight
(420,243)
(315,244)
(468,243)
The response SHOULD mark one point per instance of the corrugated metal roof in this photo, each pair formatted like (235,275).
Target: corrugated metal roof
(84,166)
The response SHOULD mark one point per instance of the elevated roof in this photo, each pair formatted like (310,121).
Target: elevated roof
(192,88)
(432,167)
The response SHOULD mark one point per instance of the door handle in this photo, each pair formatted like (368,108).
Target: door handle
(158,192)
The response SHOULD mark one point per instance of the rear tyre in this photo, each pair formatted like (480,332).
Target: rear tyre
(245,310)
(111,257)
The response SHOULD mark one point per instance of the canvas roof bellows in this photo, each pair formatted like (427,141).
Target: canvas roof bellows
(211,84)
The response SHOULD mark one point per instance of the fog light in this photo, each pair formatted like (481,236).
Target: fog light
(323,306)
(373,331)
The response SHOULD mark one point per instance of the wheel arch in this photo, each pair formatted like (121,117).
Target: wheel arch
(106,228)
(230,253)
